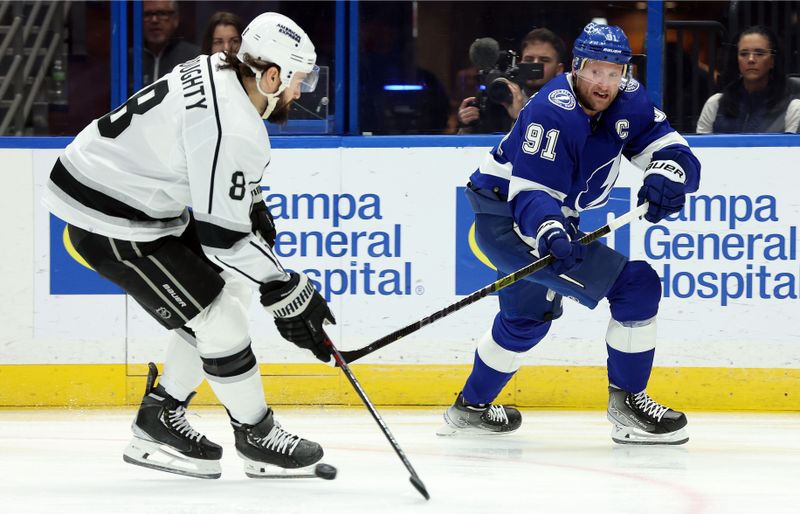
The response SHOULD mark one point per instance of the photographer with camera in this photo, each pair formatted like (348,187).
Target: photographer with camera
(508,82)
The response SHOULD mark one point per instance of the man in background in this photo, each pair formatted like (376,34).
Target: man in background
(162,51)
(540,46)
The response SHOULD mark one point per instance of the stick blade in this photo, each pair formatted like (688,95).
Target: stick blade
(419,486)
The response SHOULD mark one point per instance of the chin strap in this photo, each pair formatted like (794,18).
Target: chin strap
(272,98)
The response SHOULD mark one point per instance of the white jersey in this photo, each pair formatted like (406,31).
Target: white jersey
(191,140)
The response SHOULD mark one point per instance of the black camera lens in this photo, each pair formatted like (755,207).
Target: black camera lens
(498,91)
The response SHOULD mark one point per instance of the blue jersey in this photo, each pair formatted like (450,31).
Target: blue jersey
(556,149)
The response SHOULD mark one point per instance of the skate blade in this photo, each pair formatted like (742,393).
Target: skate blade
(150,454)
(450,431)
(255,469)
(631,435)
(262,470)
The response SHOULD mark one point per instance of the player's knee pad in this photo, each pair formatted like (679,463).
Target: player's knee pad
(636,293)
(631,336)
(223,340)
(503,347)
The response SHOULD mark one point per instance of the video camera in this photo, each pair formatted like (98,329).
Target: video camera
(497,67)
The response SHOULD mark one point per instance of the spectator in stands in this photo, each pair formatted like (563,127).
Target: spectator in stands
(162,51)
(758,99)
(223,32)
(538,46)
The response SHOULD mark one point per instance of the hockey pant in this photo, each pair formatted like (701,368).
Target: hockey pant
(180,288)
(528,306)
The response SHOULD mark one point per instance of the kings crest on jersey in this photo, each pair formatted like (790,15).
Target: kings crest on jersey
(556,148)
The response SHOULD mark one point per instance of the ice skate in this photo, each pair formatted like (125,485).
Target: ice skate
(463,418)
(638,419)
(164,440)
(271,452)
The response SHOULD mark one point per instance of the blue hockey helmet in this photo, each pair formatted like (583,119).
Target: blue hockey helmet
(603,43)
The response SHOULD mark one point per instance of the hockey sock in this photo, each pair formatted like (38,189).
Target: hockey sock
(499,354)
(183,369)
(228,359)
(631,348)
(484,383)
(244,397)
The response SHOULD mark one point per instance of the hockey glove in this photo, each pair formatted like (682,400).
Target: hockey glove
(552,239)
(572,226)
(300,313)
(664,187)
(261,219)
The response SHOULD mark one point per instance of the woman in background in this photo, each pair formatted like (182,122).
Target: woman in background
(223,32)
(757,100)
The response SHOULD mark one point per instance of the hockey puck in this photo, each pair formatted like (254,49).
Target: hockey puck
(325,471)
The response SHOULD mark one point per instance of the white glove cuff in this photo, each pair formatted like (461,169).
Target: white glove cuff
(669,169)
(295,302)
(547,226)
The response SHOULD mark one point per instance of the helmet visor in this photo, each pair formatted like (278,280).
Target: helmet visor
(602,73)
(306,82)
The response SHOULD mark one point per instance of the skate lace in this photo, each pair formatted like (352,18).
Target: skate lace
(177,419)
(279,440)
(497,413)
(649,406)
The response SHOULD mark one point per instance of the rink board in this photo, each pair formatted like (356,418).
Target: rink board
(385,233)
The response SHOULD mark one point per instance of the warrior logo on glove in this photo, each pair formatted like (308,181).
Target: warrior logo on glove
(300,313)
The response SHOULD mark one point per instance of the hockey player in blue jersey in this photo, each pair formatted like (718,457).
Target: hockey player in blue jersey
(562,157)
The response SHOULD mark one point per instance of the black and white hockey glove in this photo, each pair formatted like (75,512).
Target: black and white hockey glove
(261,219)
(664,186)
(300,313)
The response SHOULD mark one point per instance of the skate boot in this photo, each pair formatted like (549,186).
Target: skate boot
(463,418)
(271,452)
(164,440)
(638,419)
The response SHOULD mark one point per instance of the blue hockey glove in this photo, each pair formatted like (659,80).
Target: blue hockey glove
(552,239)
(572,226)
(664,187)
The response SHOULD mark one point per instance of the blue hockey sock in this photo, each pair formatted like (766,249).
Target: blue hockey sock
(484,383)
(630,371)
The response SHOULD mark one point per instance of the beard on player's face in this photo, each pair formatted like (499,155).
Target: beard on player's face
(280,114)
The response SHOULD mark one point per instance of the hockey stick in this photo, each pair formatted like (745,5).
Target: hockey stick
(354,355)
(414,478)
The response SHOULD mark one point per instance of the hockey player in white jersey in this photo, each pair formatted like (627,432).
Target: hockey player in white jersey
(562,157)
(162,196)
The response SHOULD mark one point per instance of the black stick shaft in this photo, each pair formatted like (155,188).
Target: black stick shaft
(415,480)
(354,355)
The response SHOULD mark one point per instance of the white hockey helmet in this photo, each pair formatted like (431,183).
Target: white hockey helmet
(275,38)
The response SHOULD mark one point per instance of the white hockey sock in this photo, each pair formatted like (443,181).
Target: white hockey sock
(244,397)
(222,333)
(183,369)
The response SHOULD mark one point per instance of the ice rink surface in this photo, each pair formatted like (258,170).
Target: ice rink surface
(60,461)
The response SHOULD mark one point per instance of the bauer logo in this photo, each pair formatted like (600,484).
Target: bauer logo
(69,272)
(474,270)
